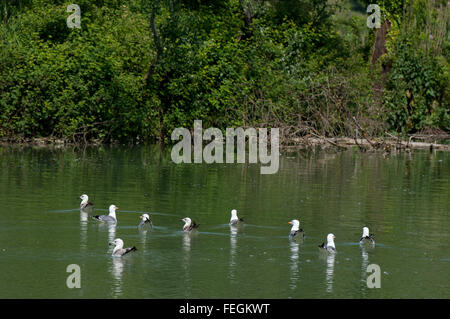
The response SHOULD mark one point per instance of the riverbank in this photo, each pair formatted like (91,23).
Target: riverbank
(384,144)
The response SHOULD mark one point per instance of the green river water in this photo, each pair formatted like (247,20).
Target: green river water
(403,198)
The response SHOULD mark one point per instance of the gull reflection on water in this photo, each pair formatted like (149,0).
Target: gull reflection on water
(186,263)
(365,260)
(233,244)
(329,277)
(111,232)
(365,249)
(83,215)
(187,243)
(83,230)
(330,272)
(294,246)
(143,230)
(116,270)
(111,228)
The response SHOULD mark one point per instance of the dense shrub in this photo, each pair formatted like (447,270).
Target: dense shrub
(85,83)
(417,94)
(300,65)
(416,91)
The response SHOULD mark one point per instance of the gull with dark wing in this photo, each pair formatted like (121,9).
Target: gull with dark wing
(118,248)
(235,220)
(296,231)
(85,203)
(145,220)
(366,238)
(188,224)
(329,247)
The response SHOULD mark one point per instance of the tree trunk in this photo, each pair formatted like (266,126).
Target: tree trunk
(379,48)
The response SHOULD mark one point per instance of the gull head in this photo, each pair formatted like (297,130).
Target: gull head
(84,198)
(113,208)
(295,224)
(117,243)
(144,217)
(365,232)
(187,221)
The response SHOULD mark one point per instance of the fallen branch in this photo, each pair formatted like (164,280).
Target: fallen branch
(364,133)
(347,142)
(323,138)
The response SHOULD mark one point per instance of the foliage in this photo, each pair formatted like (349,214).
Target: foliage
(138,69)
(73,83)
(416,92)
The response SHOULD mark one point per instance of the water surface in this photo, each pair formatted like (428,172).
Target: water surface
(404,199)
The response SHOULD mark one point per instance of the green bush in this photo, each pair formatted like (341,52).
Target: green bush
(417,94)
(299,65)
(74,83)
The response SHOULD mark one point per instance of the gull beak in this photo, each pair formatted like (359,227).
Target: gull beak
(140,217)
(290,223)
(111,244)
(334,237)
(117,208)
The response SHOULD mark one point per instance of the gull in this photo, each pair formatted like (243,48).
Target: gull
(118,248)
(85,202)
(366,237)
(296,231)
(111,217)
(145,220)
(234,218)
(330,244)
(188,224)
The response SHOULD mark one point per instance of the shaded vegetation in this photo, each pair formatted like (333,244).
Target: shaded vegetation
(138,69)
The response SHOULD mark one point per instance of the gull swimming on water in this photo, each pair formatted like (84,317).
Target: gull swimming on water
(234,218)
(188,224)
(145,220)
(118,248)
(330,244)
(111,217)
(296,231)
(366,237)
(85,202)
